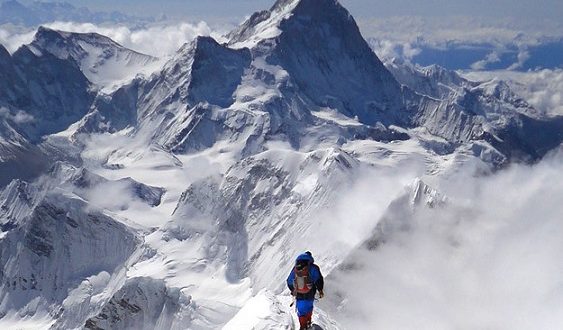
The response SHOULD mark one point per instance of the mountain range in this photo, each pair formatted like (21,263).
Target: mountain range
(139,193)
(41,12)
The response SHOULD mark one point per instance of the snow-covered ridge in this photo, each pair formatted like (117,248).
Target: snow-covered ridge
(48,251)
(262,25)
(103,61)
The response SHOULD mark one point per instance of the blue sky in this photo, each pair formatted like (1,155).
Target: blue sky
(200,9)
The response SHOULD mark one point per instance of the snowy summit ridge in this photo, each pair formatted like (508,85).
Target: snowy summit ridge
(103,61)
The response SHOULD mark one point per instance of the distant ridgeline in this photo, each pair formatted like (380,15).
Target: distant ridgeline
(38,12)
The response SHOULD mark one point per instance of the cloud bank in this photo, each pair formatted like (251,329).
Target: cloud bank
(158,39)
(490,260)
(20,117)
(441,31)
(463,42)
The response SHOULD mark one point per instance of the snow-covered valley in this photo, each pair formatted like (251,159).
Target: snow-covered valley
(145,193)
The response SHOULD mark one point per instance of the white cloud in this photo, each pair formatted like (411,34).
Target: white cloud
(402,35)
(491,58)
(492,260)
(523,56)
(542,88)
(439,31)
(20,117)
(13,39)
(157,40)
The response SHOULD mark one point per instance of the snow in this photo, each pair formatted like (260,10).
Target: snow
(194,188)
(307,186)
(336,117)
(105,63)
(111,73)
(262,311)
(13,321)
(269,28)
(541,88)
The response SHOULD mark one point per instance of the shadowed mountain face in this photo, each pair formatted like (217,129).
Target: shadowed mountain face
(323,51)
(53,92)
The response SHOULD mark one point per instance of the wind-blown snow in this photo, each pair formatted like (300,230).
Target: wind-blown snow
(485,259)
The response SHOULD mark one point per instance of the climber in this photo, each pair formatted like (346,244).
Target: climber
(303,282)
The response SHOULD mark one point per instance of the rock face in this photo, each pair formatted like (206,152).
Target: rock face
(52,93)
(47,250)
(472,111)
(19,159)
(82,182)
(142,303)
(18,200)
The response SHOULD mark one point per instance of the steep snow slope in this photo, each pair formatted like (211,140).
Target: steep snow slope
(46,86)
(52,82)
(487,111)
(235,228)
(18,199)
(48,252)
(439,83)
(183,100)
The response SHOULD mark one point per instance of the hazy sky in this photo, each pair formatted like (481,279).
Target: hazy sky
(208,9)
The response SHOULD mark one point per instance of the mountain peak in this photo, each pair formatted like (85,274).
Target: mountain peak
(283,4)
(210,70)
(297,5)
(267,24)
(45,36)
(319,44)
(97,56)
